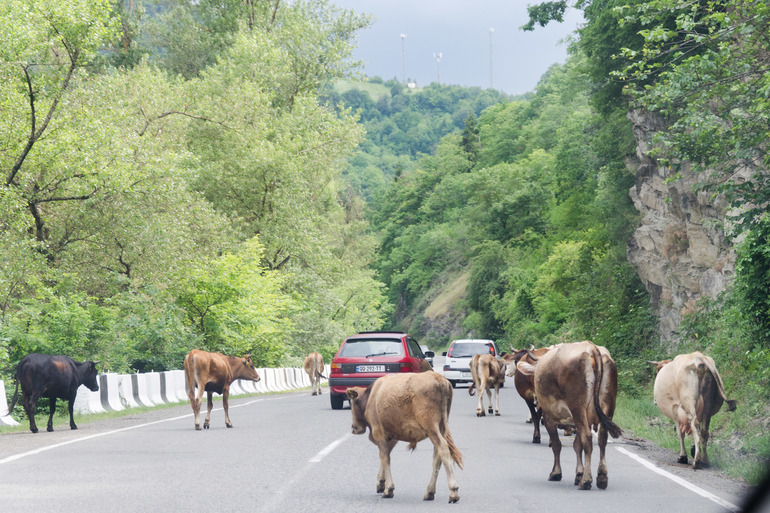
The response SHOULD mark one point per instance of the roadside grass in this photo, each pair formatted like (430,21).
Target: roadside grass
(739,442)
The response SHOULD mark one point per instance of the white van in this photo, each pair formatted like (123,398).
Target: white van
(457,365)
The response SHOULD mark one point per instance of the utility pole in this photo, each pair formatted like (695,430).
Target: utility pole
(491,67)
(403,56)
(438,57)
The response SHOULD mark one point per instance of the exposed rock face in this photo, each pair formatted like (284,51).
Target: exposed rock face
(679,249)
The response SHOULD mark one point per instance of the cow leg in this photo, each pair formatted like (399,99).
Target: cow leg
(488,390)
(553,433)
(30,405)
(497,400)
(71,407)
(682,452)
(50,415)
(441,455)
(696,459)
(385,484)
(210,404)
(226,405)
(480,391)
(704,438)
(601,474)
(586,447)
(195,402)
(535,415)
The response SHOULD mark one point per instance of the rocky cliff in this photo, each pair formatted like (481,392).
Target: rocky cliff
(679,249)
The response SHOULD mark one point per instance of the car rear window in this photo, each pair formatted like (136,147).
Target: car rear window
(363,348)
(467,349)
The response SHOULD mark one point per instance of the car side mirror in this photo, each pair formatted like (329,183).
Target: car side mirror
(430,354)
(443,353)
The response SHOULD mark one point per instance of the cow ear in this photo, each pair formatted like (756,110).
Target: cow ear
(352,394)
(526,368)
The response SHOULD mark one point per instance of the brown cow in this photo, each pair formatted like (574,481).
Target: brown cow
(576,385)
(213,372)
(525,386)
(689,390)
(487,372)
(314,365)
(408,407)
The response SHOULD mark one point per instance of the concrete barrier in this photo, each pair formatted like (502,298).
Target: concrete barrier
(178,384)
(261,386)
(236,388)
(87,401)
(108,389)
(126,391)
(5,415)
(153,387)
(141,389)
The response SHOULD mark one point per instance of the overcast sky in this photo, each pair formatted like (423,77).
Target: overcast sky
(460,31)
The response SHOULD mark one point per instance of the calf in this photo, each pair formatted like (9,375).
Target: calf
(487,372)
(55,376)
(314,365)
(689,390)
(408,407)
(576,385)
(213,372)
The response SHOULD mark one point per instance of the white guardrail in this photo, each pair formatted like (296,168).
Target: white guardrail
(120,391)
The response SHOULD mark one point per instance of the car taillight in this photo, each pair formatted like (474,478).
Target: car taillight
(446,367)
(336,368)
(405,367)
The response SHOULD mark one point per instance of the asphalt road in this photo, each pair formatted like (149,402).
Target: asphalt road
(291,452)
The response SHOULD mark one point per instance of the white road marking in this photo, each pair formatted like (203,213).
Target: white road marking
(682,482)
(329,448)
(89,437)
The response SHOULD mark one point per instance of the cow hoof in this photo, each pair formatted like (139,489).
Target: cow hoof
(388,494)
(381,486)
(490,411)
(206,425)
(578,477)
(71,427)
(602,481)
(554,477)
(481,414)
(49,429)
(197,427)
(585,486)
(314,393)
(229,425)
(454,497)
(682,459)
(429,496)
(497,414)
(34,430)
(535,439)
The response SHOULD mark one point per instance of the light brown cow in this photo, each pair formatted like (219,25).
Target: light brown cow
(408,407)
(689,390)
(487,372)
(525,386)
(314,366)
(213,372)
(576,385)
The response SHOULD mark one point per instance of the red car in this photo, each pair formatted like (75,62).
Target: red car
(364,357)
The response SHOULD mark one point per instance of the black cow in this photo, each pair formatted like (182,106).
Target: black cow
(54,377)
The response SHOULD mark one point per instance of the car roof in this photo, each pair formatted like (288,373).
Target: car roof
(378,334)
(474,341)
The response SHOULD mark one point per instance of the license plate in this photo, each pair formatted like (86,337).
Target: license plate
(370,368)
(466,374)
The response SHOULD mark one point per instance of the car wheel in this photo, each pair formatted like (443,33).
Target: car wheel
(453,382)
(337,400)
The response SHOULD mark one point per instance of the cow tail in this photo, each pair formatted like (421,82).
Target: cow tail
(454,452)
(189,378)
(472,389)
(598,366)
(731,404)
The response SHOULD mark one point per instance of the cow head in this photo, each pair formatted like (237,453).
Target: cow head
(89,374)
(247,370)
(358,398)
